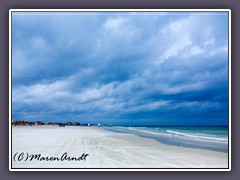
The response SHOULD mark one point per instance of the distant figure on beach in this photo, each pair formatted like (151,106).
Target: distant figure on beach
(99,124)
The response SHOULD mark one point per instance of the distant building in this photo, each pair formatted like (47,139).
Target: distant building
(61,125)
(14,122)
(76,124)
(20,122)
(37,123)
(30,123)
(69,123)
(52,124)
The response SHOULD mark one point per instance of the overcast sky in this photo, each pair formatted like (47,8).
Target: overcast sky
(120,68)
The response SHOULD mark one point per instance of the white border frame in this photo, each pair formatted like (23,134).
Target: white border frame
(122,10)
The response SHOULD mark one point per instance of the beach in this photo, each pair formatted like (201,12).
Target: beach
(94,147)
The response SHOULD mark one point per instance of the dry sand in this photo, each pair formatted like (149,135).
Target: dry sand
(106,150)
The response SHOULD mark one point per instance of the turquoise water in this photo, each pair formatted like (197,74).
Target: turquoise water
(202,137)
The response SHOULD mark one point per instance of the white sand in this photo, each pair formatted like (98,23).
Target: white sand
(106,150)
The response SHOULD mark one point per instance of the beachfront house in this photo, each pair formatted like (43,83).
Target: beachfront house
(52,124)
(61,125)
(68,124)
(20,122)
(76,124)
(31,123)
(38,123)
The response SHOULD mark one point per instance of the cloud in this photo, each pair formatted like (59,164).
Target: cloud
(114,24)
(121,68)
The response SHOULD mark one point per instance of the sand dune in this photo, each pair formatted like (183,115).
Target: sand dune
(105,150)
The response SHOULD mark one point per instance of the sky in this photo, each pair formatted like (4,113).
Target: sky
(120,68)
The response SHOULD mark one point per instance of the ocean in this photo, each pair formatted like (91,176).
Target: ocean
(201,137)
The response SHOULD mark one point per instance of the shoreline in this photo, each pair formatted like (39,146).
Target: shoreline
(190,143)
(106,150)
